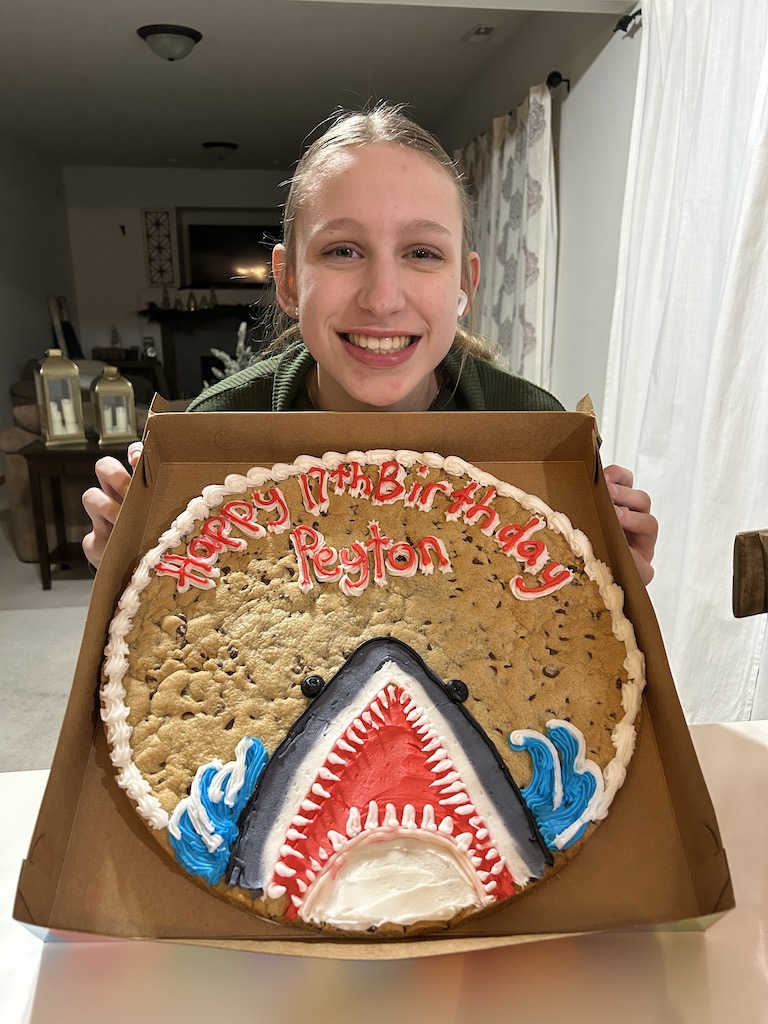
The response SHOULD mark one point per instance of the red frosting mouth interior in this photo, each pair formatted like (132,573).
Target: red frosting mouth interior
(387,773)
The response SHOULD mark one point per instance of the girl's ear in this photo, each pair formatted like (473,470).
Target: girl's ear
(470,286)
(284,281)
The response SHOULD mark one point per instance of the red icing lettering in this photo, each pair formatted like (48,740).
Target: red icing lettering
(427,497)
(402,560)
(274,502)
(553,578)
(389,486)
(241,513)
(424,547)
(310,503)
(462,499)
(376,556)
(515,540)
(305,540)
(354,560)
(325,561)
(340,477)
(203,550)
(360,485)
(482,509)
(188,572)
(216,529)
(355,566)
(378,545)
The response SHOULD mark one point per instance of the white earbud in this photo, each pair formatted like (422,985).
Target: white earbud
(463,300)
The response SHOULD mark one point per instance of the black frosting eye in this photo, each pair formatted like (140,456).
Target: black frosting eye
(312,685)
(458,690)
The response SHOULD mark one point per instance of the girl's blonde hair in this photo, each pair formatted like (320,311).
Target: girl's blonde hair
(383,123)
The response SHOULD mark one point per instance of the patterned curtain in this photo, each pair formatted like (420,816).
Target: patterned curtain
(510,171)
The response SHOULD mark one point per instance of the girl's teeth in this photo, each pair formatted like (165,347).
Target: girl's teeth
(393,344)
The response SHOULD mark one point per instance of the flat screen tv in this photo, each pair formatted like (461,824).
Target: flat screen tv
(226,248)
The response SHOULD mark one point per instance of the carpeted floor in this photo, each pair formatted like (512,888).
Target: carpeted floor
(40,633)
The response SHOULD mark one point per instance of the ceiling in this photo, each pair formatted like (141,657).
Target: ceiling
(79,86)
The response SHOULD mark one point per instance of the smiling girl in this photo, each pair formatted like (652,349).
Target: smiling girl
(374,274)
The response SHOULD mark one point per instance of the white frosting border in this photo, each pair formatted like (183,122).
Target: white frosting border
(114,712)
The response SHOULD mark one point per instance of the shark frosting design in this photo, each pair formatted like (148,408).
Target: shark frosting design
(386,803)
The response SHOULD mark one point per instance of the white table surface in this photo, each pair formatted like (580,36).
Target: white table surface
(717,976)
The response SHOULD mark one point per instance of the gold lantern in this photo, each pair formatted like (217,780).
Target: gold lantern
(58,395)
(114,407)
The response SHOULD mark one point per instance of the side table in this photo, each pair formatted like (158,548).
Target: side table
(55,464)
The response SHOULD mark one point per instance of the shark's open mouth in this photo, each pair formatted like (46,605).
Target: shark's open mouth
(388,780)
(385,804)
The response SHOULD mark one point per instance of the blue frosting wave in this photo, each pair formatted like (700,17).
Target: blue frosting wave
(553,757)
(222,803)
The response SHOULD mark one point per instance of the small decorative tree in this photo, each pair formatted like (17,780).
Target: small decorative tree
(243,357)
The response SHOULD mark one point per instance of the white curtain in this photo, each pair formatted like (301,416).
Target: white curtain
(510,169)
(686,403)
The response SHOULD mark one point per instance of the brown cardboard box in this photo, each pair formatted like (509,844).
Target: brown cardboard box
(658,857)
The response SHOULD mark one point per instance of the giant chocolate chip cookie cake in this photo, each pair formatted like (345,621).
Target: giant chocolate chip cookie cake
(371,692)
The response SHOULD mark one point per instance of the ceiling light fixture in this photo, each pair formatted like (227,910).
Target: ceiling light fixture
(220,150)
(172,42)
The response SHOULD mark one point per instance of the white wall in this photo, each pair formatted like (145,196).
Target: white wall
(595,125)
(104,206)
(34,260)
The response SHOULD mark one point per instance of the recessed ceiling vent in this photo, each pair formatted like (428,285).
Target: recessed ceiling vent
(478,34)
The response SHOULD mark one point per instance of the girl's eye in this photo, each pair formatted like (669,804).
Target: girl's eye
(343,252)
(422,253)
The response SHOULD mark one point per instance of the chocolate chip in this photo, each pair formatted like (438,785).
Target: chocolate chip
(551,671)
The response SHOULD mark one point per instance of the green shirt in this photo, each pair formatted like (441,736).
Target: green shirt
(279,384)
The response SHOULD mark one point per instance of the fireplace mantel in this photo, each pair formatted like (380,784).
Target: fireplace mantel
(176,323)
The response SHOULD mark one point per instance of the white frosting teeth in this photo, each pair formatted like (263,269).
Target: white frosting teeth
(337,840)
(372,821)
(428,818)
(395,343)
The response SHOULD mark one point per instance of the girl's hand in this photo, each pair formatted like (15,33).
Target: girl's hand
(633,507)
(103,503)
